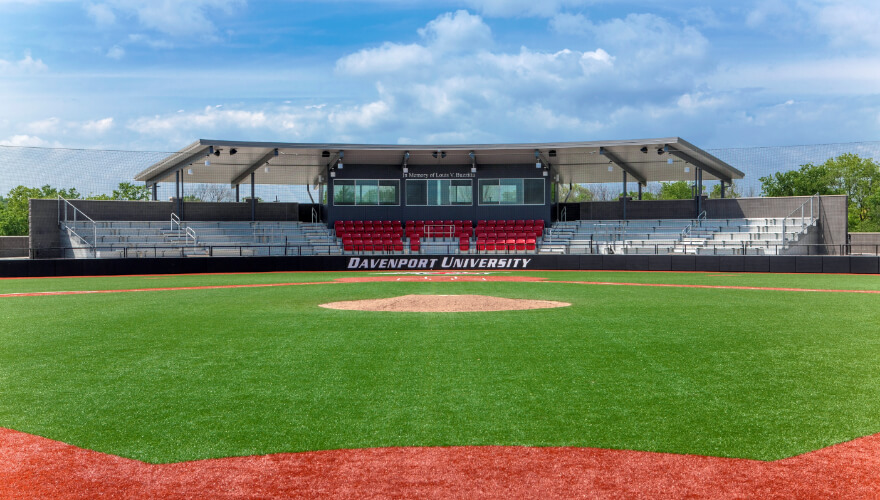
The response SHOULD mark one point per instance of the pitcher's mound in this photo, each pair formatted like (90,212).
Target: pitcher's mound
(443,303)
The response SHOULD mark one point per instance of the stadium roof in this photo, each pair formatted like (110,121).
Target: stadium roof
(232,162)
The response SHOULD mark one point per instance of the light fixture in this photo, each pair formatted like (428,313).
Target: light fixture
(217,152)
(232,151)
(537,159)
(190,171)
(266,169)
(687,169)
(473,162)
(405,159)
(207,164)
(610,168)
(552,153)
(339,161)
(669,161)
(660,151)
(546,173)
(332,173)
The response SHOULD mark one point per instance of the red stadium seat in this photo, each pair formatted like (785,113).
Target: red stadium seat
(520,244)
(464,244)
(530,244)
(414,244)
(490,245)
(481,244)
(511,244)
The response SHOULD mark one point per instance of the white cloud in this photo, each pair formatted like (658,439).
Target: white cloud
(24,141)
(24,66)
(178,18)
(847,23)
(101,126)
(116,52)
(102,14)
(47,126)
(460,31)
(388,57)
(525,8)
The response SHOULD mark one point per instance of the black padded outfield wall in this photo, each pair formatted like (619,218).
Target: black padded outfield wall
(450,263)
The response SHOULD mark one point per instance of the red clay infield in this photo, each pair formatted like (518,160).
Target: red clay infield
(36,467)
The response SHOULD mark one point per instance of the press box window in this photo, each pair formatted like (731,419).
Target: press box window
(366,192)
(439,192)
(511,191)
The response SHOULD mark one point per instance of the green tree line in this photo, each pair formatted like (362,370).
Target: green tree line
(849,174)
(14,206)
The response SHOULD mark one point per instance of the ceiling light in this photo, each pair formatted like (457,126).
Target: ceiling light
(232,151)
(644,149)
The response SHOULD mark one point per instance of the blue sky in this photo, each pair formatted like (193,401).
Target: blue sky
(130,74)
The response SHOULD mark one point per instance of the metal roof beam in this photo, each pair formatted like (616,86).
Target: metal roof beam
(623,165)
(199,154)
(699,164)
(253,167)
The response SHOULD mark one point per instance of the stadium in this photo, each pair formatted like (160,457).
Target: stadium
(439,321)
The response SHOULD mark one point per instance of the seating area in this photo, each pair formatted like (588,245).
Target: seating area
(115,239)
(439,236)
(741,236)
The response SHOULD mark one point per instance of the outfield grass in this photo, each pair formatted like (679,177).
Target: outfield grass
(168,376)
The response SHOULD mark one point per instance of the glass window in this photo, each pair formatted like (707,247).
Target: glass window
(461,192)
(366,192)
(534,191)
(416,193)
(440,192)
(489,192)
(389,193)
(343,192)
(511,191)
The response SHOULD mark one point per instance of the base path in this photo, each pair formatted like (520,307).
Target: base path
(36,467)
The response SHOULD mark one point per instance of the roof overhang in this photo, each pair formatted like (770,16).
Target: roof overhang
(645,160)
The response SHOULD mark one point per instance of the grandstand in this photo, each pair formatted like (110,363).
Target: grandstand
(492,200)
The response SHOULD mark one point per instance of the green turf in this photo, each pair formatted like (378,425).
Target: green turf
(181,375)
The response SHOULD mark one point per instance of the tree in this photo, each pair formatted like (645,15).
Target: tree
(680,190)
(14,214)
(806,181)
(858,178)
(730,191)
(575,193)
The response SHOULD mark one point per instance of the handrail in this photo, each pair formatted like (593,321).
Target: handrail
(563,215)
(76,210)
(315,217)
(175,220)
(701,218)
(190,232)
(813,217)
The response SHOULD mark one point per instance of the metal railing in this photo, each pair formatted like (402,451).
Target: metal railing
(812,218)
(182,231)
(65,218)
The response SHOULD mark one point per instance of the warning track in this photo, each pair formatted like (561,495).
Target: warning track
(36,467)
(434,278)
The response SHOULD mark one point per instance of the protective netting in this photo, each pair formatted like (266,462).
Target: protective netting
(97,173)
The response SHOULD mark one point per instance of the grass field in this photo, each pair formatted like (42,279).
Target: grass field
(174,375)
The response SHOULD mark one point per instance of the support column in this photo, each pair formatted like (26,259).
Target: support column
(624,195)
(640,191)
(698,187)
(722,189)
(253,200)
(236,194)
(155,192)
(177,190)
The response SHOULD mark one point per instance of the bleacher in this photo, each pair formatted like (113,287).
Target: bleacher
(744,236)
(439,236)
(115,239)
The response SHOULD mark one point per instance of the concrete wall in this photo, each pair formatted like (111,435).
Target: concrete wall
(13,246)
(864,243)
